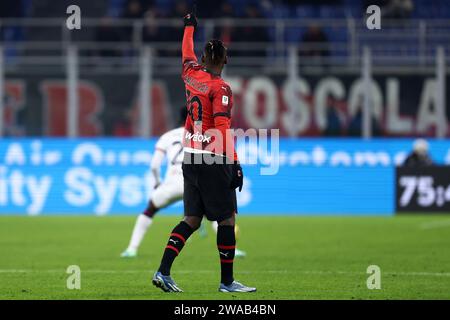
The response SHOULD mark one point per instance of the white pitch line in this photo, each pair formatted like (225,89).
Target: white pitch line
(435,224)
(317,272)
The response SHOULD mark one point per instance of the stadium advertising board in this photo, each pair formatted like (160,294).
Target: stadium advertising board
(112,176)
(423,189)
(311,105)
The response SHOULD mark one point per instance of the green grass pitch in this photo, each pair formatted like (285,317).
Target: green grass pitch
(288,258)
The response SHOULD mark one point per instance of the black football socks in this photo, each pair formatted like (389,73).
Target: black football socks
(176,242)
(226,243)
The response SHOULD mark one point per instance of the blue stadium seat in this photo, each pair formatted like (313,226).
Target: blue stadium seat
(279,12)
(116,7)
(294,35)
(164,5)
(27,5)
(336,34)
(306,11)
(353,8)
(331,12)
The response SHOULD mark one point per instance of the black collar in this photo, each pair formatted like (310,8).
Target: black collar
(211,72)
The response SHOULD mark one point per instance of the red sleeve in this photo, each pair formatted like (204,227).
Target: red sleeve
(222,104)
(222,100)
(188,45)
(222,124)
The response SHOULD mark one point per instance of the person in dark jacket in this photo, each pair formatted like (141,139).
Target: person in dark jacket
(419,157)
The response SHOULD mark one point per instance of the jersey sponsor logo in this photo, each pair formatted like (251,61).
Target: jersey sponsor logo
(197,137)
(225,100)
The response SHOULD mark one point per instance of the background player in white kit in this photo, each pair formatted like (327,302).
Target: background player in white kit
(170,190)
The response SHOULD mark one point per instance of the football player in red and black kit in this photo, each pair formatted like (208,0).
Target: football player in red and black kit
(211,168)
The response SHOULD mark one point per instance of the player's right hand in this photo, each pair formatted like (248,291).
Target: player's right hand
(190,20)
(238,177)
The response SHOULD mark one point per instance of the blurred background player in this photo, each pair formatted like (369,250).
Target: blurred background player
(419,157)
(211,169)
(168,191)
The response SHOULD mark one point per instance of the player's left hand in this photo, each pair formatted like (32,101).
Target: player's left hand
(238,177)
(190,20)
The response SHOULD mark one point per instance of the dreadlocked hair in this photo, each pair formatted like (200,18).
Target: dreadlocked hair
(215,51)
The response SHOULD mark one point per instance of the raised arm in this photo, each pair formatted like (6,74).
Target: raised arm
(188,45)
(190,23)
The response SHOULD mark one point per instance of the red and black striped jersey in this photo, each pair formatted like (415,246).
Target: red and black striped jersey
(209,102)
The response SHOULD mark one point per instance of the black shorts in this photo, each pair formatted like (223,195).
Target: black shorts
(207,189)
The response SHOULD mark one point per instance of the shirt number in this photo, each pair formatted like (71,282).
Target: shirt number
(195,108)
